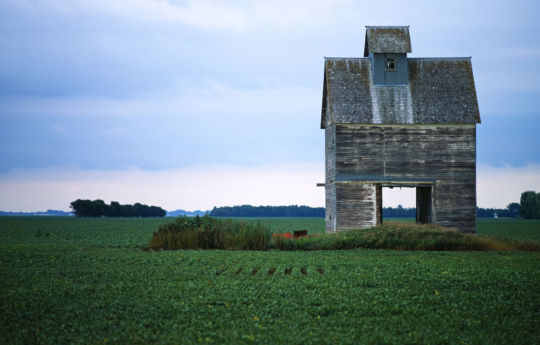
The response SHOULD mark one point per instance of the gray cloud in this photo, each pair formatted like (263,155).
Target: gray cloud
(164,84)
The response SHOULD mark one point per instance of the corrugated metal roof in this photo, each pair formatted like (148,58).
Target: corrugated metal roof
(387,39)
(440,91)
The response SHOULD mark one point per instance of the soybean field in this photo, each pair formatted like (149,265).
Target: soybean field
(66,280)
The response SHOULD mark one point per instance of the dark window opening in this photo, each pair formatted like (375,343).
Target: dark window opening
(390,64)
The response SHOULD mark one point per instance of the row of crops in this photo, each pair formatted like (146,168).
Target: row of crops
(77,281)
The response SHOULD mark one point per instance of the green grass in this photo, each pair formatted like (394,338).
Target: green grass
(282,225)
(405,236)
(71,232)
(517,229)
(86,281)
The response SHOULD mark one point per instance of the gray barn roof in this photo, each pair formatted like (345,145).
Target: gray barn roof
(387,39)
(440,91)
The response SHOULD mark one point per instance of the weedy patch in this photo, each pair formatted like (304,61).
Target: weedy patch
(211,233)
(404,236)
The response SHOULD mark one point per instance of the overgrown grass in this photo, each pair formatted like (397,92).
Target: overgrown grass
(404,236)
(507,228)
(210,233)
(290,224)
(213,233)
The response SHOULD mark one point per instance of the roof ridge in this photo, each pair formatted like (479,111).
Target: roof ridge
(408,58)
(344,58)
(441,58)
(387,26)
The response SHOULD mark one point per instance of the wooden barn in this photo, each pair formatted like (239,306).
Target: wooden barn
(393,121)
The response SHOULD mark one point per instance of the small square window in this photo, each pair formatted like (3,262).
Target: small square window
(390,64)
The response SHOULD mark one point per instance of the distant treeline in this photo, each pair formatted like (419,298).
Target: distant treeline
(180,213)
(98,208)
(399,212)
(267,211)
(294,211)
(528,207)
(512,210)
(37,213)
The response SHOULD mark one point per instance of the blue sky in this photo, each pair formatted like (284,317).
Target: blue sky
(195,104)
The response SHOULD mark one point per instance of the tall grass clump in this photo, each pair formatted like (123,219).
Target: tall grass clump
(403,236)
(210,233)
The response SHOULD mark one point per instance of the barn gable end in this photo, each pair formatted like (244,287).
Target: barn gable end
(419,133)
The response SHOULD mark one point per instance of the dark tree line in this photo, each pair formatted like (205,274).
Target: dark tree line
(512,211)
(530,205)
(98,208)
(528,208)
(399,212)
(294,211)
(267,211)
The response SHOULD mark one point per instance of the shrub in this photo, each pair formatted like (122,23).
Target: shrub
(210,233)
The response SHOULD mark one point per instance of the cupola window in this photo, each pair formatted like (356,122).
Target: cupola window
(390,64)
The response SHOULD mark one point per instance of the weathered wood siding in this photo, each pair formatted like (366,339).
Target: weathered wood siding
(356,205)
(444,153)
(330,176)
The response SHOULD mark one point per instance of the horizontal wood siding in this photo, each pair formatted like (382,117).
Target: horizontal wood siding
(356,206)
(359,151)
(446,154)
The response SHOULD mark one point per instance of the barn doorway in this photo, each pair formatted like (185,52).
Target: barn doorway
(424,209)
(405,201)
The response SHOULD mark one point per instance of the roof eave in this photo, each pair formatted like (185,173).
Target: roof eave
(324,101)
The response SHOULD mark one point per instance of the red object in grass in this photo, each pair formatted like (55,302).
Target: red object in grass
(300,233)
(285,235)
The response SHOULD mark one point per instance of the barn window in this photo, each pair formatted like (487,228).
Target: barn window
(390,64)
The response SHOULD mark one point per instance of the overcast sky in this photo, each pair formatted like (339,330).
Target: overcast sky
(195,104)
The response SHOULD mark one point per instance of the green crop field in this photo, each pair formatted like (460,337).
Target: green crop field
(65,280)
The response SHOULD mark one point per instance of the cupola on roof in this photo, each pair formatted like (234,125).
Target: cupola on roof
(387,39)
(436,91)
